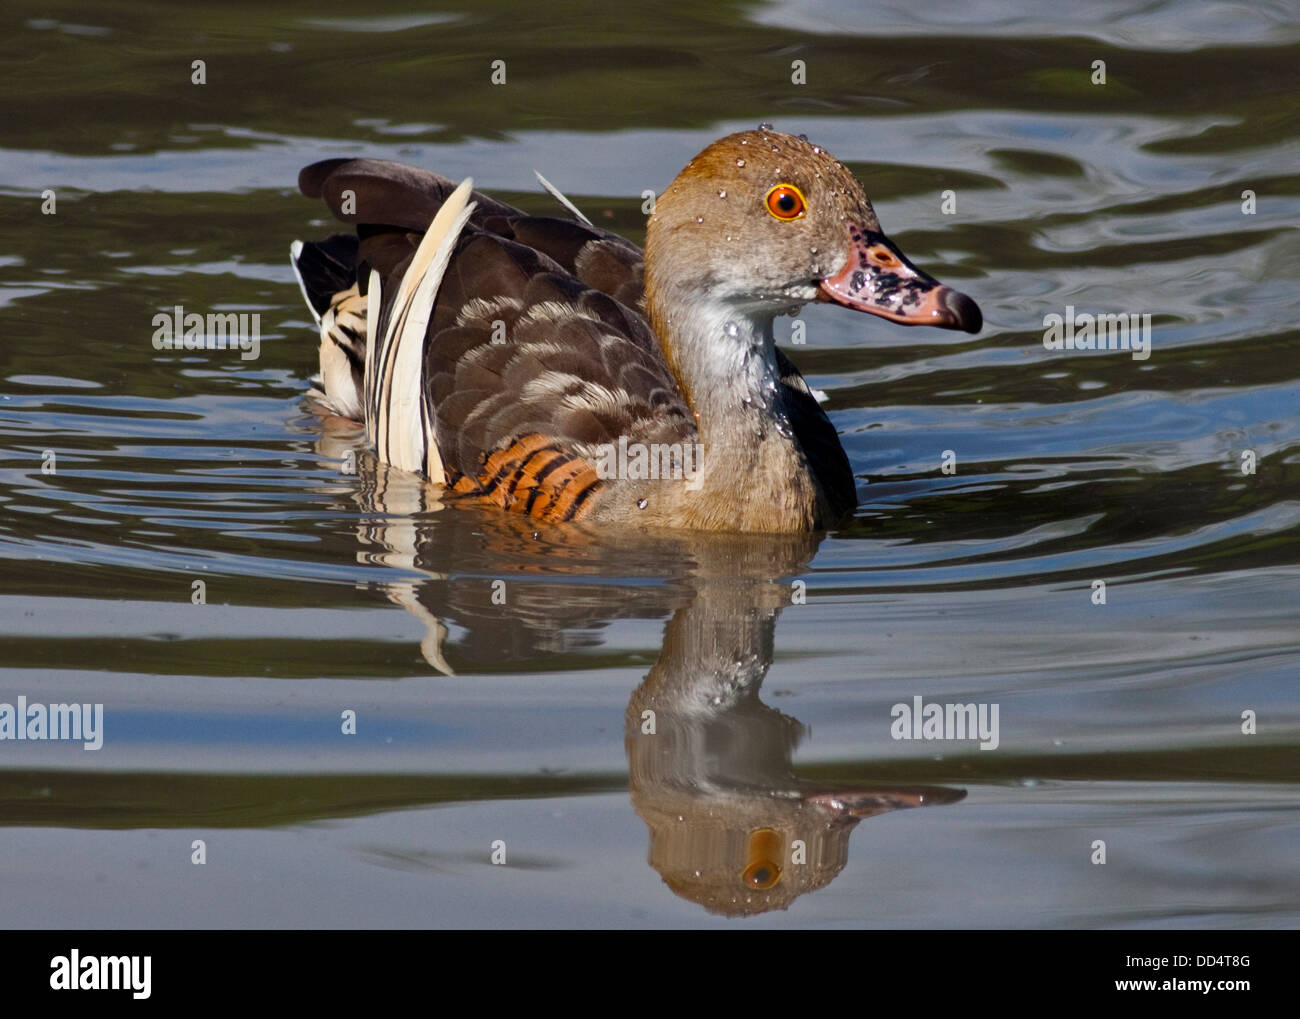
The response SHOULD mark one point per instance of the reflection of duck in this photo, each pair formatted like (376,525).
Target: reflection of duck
(731,825)
(548,367)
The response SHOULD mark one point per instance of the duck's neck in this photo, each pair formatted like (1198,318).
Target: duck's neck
(724,358)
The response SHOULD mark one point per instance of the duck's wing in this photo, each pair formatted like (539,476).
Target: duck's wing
(381,197)
(520,339)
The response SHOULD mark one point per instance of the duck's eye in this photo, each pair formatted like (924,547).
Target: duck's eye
(785,201)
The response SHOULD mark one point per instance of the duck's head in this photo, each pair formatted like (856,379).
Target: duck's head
(763,222)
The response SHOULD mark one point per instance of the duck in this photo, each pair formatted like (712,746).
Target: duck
(549,367)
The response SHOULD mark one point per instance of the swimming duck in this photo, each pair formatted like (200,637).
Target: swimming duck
(552,368)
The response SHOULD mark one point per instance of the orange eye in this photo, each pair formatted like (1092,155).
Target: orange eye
(785,201)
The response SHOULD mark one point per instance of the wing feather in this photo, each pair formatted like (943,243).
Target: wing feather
(502,350)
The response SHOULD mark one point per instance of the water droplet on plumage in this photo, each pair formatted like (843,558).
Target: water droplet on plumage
(731,329)
(722,192)
(803,137)
(699,219)
(765,126)
(642,503)
(740,162)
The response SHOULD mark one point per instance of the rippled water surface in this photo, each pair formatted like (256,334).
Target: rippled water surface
(501,674)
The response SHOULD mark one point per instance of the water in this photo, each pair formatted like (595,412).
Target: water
(499,671)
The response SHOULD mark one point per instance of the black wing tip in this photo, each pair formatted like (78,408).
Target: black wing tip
(324,268)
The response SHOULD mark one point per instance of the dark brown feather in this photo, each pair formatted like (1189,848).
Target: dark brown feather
(818,438)
(388,194)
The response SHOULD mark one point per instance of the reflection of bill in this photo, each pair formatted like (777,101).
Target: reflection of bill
(731,826)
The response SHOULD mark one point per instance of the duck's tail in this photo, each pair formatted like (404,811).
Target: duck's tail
(327,274)
(372,343)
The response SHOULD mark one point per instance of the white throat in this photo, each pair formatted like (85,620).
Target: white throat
(726,354)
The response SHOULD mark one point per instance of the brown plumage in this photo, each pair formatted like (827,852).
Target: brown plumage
(561,376)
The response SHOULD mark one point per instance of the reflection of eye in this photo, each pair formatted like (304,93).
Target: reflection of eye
(785,201)
(763,870)
(761,875)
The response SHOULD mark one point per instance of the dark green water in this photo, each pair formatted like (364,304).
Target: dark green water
(520,722)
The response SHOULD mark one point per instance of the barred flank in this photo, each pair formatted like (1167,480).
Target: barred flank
(533,477)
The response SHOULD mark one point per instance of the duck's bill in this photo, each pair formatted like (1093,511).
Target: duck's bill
(880,280)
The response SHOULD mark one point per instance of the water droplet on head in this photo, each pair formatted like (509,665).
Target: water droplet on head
(642,503)
(817,149)
(699,219)
(740,162)
(722,192)
(731,329)
(765,126)
(803,137)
